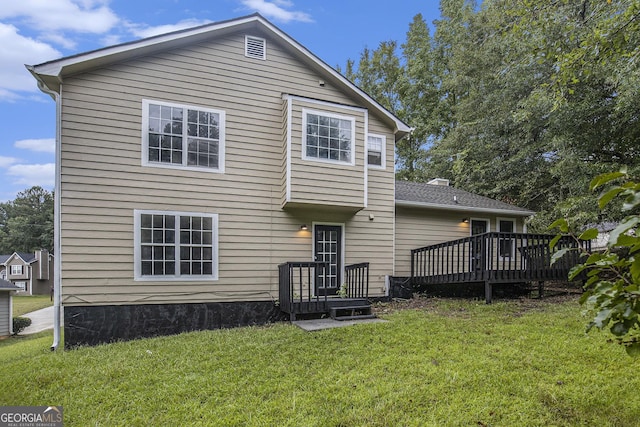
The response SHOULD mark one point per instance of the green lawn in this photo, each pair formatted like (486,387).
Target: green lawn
(27,303)
(457,363)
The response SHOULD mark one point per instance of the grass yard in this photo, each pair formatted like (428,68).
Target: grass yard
(27,303)
(450,363)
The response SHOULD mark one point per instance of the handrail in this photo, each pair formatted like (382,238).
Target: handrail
(357,280)
(296,283)
(494,256)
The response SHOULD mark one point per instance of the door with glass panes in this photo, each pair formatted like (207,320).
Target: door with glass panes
(328,248)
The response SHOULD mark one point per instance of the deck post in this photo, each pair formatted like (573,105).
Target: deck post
(488,292)
(540,289)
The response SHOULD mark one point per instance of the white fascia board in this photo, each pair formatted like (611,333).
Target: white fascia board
(56,67)
(409,204)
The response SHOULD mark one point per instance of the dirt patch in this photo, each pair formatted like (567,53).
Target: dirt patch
(554,293)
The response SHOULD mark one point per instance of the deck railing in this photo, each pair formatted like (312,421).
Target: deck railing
(296,281)
(357,280)
(298,291)
(493,257)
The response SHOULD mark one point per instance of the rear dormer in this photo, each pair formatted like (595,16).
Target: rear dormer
(324,155)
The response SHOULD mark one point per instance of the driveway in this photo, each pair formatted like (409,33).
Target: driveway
(41,320)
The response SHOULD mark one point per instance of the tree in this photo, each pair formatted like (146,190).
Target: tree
(612,288)
(26,223)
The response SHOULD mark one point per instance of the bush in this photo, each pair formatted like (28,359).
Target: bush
(20,323)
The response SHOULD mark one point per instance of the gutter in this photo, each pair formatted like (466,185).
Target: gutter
(57,244)
(457,208)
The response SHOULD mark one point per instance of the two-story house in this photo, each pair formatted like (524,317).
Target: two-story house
(191,166)
(31,273)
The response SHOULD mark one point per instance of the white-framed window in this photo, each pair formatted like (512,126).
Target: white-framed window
(182,136)
(506,246)
(328,137)
(175,245)
(376,145)
(17,270)
(255,47)
(21,285)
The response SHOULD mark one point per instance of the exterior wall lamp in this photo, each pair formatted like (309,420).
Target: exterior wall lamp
(465,220)
(304,227)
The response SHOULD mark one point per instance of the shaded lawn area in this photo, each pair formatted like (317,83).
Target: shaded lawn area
(453,362)
(27,303)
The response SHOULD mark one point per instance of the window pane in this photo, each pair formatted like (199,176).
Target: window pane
(374,158)
(146,252)
(185,268)
(146,268)
(170,268)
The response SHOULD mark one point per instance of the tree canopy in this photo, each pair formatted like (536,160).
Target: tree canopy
(26,223)
(523,101)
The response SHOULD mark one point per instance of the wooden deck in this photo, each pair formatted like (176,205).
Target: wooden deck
(493,258)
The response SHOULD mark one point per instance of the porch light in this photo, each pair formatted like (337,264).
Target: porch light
(465,220)
(304,227)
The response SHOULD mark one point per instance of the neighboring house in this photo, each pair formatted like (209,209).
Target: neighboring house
(205,172)
(6,307)
(32,273)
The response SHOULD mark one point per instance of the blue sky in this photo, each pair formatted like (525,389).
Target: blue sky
(36,31)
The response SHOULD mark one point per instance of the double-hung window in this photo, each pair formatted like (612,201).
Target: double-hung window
(175,246)
(182,136)
(506,244)
(17,270)
(328,137)
(375,151)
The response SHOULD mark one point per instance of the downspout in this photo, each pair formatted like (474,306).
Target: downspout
(57,245)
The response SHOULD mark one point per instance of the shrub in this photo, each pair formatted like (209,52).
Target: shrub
(20,323)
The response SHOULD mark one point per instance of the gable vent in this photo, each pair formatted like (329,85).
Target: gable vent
(255,47)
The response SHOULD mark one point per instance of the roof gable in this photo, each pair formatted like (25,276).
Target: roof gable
(418,194)
(25,257)
(51,74)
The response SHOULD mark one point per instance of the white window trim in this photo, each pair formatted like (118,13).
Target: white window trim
(145,137)
(264,47)
(352,119)
(15,267)
(513,246)
(383,157)
(177,277)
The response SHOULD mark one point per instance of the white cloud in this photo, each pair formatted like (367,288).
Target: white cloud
(145,31)
(16,50)
(7,161)
(54,15)
(47,145)
(30,175)
(275,10)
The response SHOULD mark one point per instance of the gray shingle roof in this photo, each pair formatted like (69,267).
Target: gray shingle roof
(451,198)
(27,257)
(4,258)
(7,286)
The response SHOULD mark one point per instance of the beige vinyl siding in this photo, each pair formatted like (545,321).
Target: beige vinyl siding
(317,182)
(5,314)
(103,181)
(419,227)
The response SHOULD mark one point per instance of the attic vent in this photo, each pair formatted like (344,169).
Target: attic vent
(255,47)
(439,181)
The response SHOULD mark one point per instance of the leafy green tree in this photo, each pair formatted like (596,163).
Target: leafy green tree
(612,288)
(26,223)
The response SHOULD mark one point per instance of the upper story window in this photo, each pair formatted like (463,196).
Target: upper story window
(175,246)
(328,137)
(182,136)
(376,151)
(16,270)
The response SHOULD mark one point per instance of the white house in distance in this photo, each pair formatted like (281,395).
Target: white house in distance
(191,165)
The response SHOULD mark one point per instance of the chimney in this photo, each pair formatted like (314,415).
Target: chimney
(43,264)
(439,181)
